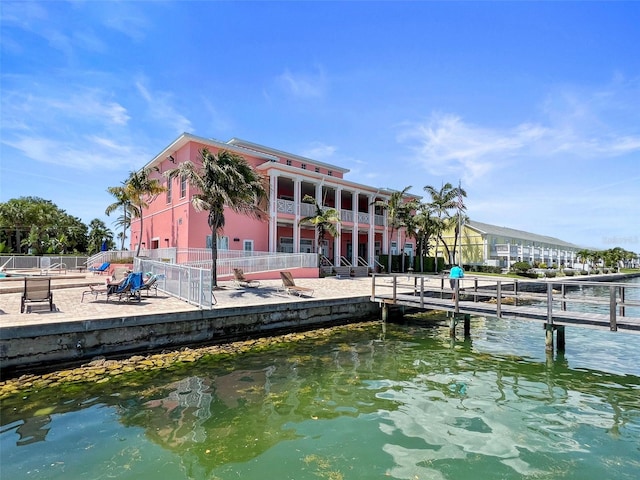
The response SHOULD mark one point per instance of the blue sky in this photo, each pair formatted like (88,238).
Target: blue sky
(533,106)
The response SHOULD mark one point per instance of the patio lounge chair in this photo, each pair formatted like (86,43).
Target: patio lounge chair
(128,289)
(151,283)
(95,290)
(102,268)
(36,290)
(290,286)
(241,281)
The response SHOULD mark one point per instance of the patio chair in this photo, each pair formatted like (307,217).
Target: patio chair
(95,290)
(151,283)
(241,281)
(102,268)
(290,286)
(36,290)
(129,288)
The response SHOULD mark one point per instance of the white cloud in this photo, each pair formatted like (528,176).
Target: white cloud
(84,155)
(303,85)
(576,126)
(160,107)
(127,19)
(446,145)
(48,123)
(319,151)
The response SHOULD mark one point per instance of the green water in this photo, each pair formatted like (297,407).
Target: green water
(399,401)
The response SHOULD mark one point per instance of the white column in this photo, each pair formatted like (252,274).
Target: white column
(354,232)
(336,241)
(371,238)
(385,236)
(297,189)
(273,217)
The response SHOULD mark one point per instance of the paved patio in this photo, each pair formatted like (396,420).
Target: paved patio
(67,296)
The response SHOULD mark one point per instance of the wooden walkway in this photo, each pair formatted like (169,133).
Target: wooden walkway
(548,302)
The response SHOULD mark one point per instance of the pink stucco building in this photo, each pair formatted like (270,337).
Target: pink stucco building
(171,221)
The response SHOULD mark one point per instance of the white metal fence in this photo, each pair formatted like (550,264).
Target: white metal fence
(30,262)
(192,283)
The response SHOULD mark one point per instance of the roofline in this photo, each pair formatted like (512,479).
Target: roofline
(539,238)
(185,138)
(281,153)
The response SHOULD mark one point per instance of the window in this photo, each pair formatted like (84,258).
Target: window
(183,186)
(247,245)
(317,169)
(303,166)
(223,242)
(288,163)
(169,183)
(306,245)
(286,244)
(330,173)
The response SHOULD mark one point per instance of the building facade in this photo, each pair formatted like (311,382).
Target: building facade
(485,244)
(170,221)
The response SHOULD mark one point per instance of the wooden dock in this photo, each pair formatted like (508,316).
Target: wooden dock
(548,302)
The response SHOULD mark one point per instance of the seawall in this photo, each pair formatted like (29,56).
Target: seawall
(51,345)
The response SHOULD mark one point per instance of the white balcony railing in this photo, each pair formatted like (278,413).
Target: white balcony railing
(308,210)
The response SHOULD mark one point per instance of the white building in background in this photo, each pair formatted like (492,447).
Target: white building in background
(485,244)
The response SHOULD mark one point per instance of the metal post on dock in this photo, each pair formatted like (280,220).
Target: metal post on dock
(560,342)
(467,325)
(457,294)
(563,304)
(548,337)
(548,327)
(499,299)
(475,290)
(613,325)
(550,304)
(421,292)
(622,313)
(452,324)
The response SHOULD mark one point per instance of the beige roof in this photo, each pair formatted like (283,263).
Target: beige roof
(489,229)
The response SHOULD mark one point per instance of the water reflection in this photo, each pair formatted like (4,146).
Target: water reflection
(414,402)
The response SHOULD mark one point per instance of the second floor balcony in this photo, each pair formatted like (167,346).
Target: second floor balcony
(290,207)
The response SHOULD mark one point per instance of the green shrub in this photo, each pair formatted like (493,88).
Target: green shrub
(584,272)
(520,267)
(550,273)
(569,273)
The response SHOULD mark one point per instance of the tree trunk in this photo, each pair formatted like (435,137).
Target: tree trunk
(390,254)
(140,239)
(214,260)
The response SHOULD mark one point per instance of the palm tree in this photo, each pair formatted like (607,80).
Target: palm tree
(583,255)
(443,201)
(422,228)
(223,180)
(397,213)
(122,201)
(140,189)
(98,233)
(325,221)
